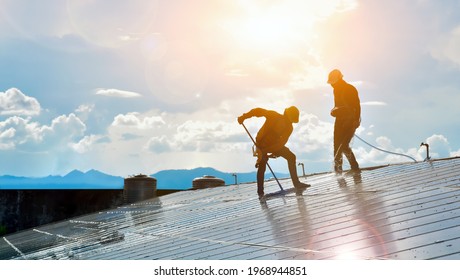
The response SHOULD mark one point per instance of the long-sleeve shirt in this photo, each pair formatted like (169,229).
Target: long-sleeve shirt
(274,133)
(346,101)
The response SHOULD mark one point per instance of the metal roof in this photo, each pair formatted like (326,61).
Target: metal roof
(404,211)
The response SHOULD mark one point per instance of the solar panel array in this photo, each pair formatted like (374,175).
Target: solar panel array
(403,211)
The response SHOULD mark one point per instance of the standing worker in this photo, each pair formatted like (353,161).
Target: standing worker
(271,139)
(347,113)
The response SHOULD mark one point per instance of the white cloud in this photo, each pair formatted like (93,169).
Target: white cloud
(129,119)
(25,135)
(67,127)
(311,135)
(439,146)
(455,153)
(86,143)
(85,108)
(84,111)
(29,148)
(205,136)
(370,156)
(5,139)
(17,131)
(117,93)
(14,102)
(134,120)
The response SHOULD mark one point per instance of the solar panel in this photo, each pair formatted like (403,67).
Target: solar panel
(401,211)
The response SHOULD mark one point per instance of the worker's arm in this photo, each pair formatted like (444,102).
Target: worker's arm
(256,112)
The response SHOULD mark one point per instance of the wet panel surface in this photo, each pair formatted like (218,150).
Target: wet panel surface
(405,211)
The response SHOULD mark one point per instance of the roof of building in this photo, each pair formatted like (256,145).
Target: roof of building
(403,211)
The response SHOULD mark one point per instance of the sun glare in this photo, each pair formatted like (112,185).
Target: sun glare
(263,32)
(279,26)
(266,32)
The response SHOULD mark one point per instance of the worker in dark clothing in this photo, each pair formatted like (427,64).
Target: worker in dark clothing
(271,140)
(347,113)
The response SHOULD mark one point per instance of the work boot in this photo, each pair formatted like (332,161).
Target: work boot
(260,192)
(353,171)
(301,185)
(338,170)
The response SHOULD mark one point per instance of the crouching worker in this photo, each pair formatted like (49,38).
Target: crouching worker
(271,140)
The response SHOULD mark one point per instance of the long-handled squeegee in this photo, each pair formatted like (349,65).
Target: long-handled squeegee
(271,170)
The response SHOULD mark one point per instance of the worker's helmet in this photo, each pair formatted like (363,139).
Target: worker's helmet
(292,113)
(334,76)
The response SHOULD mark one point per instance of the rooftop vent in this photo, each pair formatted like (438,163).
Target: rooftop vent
(139,187)
(207,181)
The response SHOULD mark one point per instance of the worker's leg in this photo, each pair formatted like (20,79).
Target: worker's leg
(347,151)
(291,160)
(262,166)
(338,146)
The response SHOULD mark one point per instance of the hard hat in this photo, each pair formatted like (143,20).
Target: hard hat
(292,113)
(334,76)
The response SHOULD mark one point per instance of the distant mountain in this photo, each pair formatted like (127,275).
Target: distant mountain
(167,179)
(183,178)
(76,179)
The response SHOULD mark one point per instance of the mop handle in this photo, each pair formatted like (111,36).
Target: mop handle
(271,170)
(250,136)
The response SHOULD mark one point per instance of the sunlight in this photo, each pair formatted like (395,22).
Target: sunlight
(273,31)
(275,43)
(282,26)
(265,33)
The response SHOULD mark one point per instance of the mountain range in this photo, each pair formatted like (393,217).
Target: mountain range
(75,179)
(179,179)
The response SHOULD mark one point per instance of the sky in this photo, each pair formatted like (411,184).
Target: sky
(140,86)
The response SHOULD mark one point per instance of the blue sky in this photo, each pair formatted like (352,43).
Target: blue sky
(129,87)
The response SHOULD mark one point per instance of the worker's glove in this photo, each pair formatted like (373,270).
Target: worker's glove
(334,111)
(241,119)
